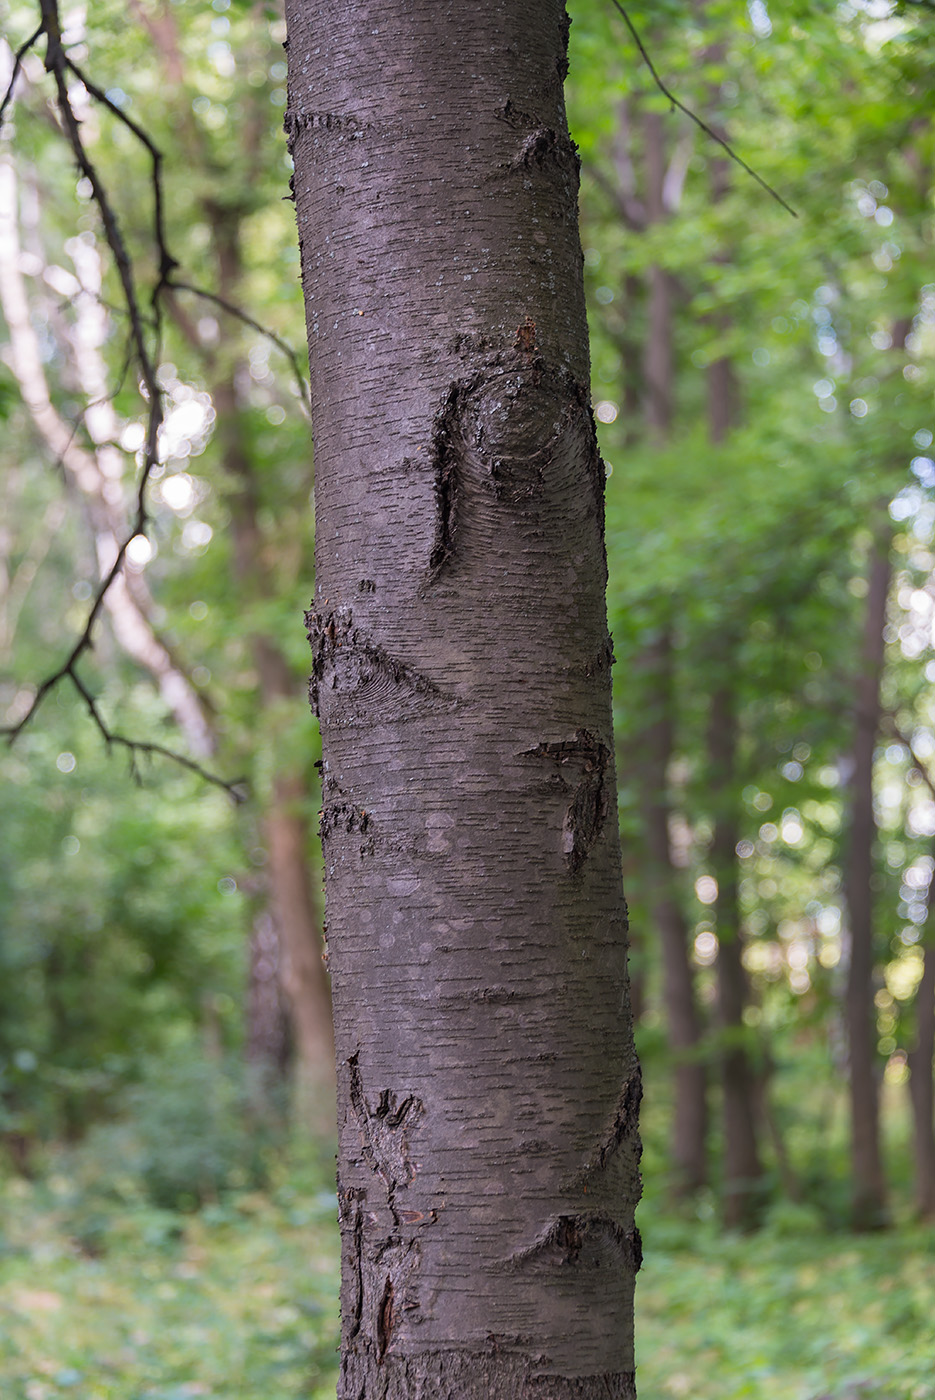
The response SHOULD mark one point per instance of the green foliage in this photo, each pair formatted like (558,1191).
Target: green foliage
(116,1300)
(125,911)
(122,924)
(193,1129)
(792,1316)
(240,1300)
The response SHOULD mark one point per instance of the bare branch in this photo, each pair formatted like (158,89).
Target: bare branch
(283,346)
(167,263)
(236,789)
(57,64)
(631,211)
(18,57)
(891,723)
(709,131)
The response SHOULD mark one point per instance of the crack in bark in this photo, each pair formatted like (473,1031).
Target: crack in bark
(445,466)
(351,1202)
(626,1117)
(495,996)
(585,815)
(294,123)
(342,816)
(385,1145)
(385,1320)
(622,1130)
(602,660)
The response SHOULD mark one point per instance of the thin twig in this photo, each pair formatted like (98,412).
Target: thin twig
(892,724)
(232,310)
(235,789)
(56,63)
(709,131)
(18,57)
(167,263)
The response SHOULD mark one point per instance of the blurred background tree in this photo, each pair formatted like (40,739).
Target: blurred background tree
(763,387)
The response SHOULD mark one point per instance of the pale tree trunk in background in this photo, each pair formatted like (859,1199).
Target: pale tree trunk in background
(869,1189)
(920,1083)
(284,819)
(293,916)
(487,1082)
(97,473)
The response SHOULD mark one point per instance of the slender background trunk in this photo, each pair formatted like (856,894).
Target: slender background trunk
(921,1087)
(742,1168)
(869,1197)
(487,1083)
(689,1125)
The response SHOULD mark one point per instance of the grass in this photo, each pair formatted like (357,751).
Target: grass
(105,1300)
(786,1315)
(235,1303)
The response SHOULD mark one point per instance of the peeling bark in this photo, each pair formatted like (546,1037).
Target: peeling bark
(488,1157)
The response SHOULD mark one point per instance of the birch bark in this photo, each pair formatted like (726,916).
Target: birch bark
(487,1083)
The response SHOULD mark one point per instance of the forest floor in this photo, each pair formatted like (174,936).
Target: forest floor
(105,1300)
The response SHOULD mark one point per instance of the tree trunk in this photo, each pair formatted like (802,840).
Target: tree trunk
(284,821)
(487,1082)
(869,1191)
(921,1088)
(268,1040)
(689,1126)
(742,1169)
(659,369)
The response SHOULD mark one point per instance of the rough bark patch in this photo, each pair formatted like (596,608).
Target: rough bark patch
(349,663)
(385,1143)
(587,810)
(459,1375)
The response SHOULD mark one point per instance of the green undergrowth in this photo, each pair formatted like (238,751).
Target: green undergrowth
(791,1313)
(105,1300)
(104,1296)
